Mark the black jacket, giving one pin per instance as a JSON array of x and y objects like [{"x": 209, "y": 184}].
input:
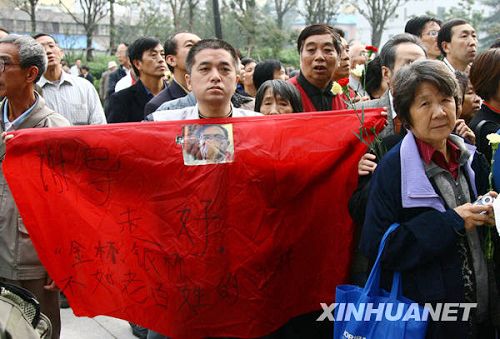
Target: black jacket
[
  {"x": 171, "y": 92},
  {"x": 114, "y": 77},
  {"x": 128, "y": 104}
]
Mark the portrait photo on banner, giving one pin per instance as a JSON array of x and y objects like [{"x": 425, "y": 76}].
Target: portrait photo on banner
[{"x": 207, "y": 144}]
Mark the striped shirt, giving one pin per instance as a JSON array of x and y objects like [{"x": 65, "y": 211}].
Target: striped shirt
[{"x": 75, "y": 98}]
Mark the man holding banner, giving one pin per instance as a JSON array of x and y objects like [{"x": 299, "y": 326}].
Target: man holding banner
[
  {"x": 211, "y": 74},
  {"x": 232, "y": 249},
  {"x": 22, "y": 63}
]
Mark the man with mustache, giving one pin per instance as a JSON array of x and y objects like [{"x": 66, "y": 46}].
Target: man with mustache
[
  {"x": 148, "y": 61},
  {"x": 457, "y": 40}
]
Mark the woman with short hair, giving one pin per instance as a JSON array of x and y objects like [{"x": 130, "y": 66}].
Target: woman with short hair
[
  {"x": 277, "y": 97},
  {"x": 485, "y": 78},
  {"x": 427, "y": 184}
]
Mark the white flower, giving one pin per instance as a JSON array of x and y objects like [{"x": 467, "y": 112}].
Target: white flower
[
  {"x": 493, "y": 138},
  {"x": 358, "y": 70},
  {"x": 336, "y": 88}
]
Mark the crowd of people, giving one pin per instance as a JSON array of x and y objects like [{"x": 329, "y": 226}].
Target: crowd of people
[{"x": 441, "y": 98}]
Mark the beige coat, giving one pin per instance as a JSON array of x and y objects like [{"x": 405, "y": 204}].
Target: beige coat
[{"x": 18, "y": 258}]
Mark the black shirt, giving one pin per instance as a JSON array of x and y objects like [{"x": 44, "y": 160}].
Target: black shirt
[
  {"x": 491, "y": 126},
  {"x": 320, "y": 98}
]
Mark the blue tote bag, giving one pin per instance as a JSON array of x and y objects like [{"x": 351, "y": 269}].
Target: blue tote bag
[{"x": 358, "y": 315}]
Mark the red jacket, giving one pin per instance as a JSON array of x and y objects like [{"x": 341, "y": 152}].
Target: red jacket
[{"x": 338, "y": 101}]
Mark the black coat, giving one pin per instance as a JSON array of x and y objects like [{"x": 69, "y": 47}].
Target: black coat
[
  {"x": 114, "y": 77},
  {"x": 171, "y": 92},
  {"x": 128, "y": 104}
]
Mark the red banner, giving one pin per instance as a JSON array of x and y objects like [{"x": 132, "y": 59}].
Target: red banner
[{"x": 127, "y": 229}]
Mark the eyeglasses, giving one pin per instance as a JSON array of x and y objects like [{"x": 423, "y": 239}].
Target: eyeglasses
[
  {"x": 213, "y": 137},
  {"x": 432, "y": 33},
  {"x": 3, "y": 64}
]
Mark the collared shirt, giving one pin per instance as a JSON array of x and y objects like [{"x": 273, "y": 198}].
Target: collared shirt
[
  {"x": 391, "y": 102},
  {"x": 320, "y": 98},
  {"x": 191, "y": 113},
  {"x": 429, "y": 153},
  {"x": 447, "y": 63},
  {"x": 124, "y": 82},
  {"x": 75, "y": 98},
  {"x": 20, "y": 119},
  {"x": 186, "y": 91},
  {"x": 490, "y": 106}
]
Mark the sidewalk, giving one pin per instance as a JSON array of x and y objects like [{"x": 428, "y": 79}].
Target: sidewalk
[{"x": 100, "y": 327}]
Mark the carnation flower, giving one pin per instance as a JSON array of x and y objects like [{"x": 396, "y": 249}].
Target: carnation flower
[
  {"x": 358, "y": 70},
  {"x": 343, "y": 82},
  {"x": 336, "y": 88},
  {"x": 493, "y": 138}
]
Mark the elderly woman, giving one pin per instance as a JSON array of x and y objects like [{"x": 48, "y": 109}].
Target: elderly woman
[
  {"x": 277, "y": 97},
  {"x": 427, "y": 184},
  {"x": 485, "y": 78}
]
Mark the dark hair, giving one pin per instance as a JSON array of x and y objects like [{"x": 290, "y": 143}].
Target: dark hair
[
  {"x": 372, "y": 76},
  {"x": 39, "y": 35},
  {"x": 416, "y": 25},
  {"x": 463, "y": 82},
  {"x": 409, "y": 78},
  {"x": 210, "y": 44},
  {"x": 282, "y": 88},
  {"x": 339, "y": 31},
  {"x": 138, "y": 47},
  {"x": 31, "y": 52},
  {"x": 496, "y": 43},
  {"x": 264, "y": 71},
  {"x": 485, "y": 73},
  {"x": 444, "y": 34},
  {"x": 3, "y": 29},
  {"x": 388, "y": 52},
  {"x": 85, "y": 67},
  {"x": 318, "y": 29},
  {"x": 245, "y": 61}
]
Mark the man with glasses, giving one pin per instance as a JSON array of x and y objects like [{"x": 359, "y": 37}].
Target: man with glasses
[
  {"x": 214, "y": 143},
  {"x": 427, "y": 29},
  {"x": 22, "y": 63},
  {"x": 148, "y": 62}
]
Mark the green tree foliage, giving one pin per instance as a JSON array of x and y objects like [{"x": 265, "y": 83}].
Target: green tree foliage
[{"x": 491, "y": 23}]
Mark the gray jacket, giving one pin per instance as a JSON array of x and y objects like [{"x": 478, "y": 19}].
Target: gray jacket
[
  {"x": 383, "y": 101},
  {"x": 18, "y": 258}
]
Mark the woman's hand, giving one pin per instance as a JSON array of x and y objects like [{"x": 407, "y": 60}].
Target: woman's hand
[
  {"x": 477, "y": 215},
  {"x": 464, "y": 131},
  {"x": 367, "y": 164}
]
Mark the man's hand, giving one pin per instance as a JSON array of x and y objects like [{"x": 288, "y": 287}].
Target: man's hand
[
  {"x": 464, "y": 131},
  {"x": 50, "y": 285},
  {"x": 359, "y": 98},
  {"x": 6, "y": 136},
  {"x": 367, "y": 164}
]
